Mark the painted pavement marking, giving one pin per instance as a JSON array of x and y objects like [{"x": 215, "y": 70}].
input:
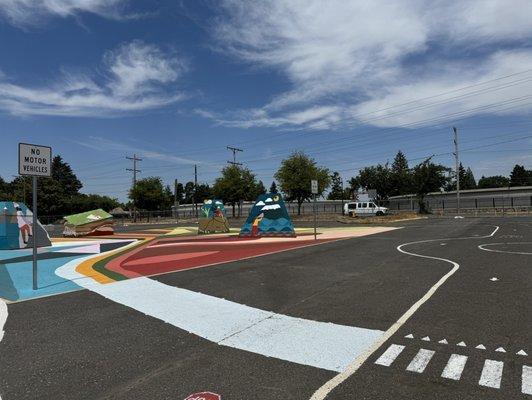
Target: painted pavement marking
[
  {"x": 331, "y": 384},
  {"x": 420, "y": 361},
  {"x": 455, "y": 366},
  {"x": 526, "y": 378},
  {"x": 318, "y": 344},
  {"x": 3, "y": 319},
  {"x": 491, "y": 374},
  {"x": 389, "y": 356}
]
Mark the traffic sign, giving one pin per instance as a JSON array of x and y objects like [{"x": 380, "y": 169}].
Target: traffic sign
[
  {"x": 204, "y": 396},
  {"x": 314, "y": 186},
  {"x": 34, "y": 160}
]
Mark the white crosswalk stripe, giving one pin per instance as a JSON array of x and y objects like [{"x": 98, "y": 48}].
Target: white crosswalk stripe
[
  {"x": 455, "y": 366},
  {"x": 491, "y": 374},
  {"x": 420, "y": 361},
  {"x": 389, "y": 356},
  {"x": 526, "y": 386}
]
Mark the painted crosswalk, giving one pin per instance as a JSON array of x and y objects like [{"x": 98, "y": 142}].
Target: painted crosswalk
[{"x": 491, "y": 374}]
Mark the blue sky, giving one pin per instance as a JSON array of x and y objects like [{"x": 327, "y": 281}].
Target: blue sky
[{"x": 350, "y": 83}]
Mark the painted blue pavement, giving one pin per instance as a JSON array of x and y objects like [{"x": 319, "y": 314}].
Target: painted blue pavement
[
  {"x": 16, "y": 269},
  {"x": 16, "y": 279}
]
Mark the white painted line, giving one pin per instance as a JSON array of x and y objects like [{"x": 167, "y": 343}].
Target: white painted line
[
  {"x": 426, "y": 339},
  {"x": 410, "y": 336},
  {"x": 455, "y": 366},
  {"x": 484, "y": 247},
  {"x": 3, "y": 319},
  {"x": 443, "y": 341},
  {"x": 318, "y": 344},
  {"x": 526, "y": 380},
  {"x": 328, "y": 386},
  {"x": 461, "y": 344},
  {"x": 420, "y": 361},
  {"x": 522, "y": 353},
  {"x": 481, "y": 347},
  {"x": 491, "y": 374},
  {"x": 389, "y": 356}
]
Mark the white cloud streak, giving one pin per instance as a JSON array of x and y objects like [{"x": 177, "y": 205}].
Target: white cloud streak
[
  {"x": 25, "y": 13},
  {"x": 137, "y": 77},
  {"x": 346, "y": 58},
  {"x": 103, "y": 144}
]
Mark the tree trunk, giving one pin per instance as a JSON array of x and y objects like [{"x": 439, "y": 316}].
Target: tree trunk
[
  {"x": 299, "y": 202},
  {"x": 233, "y": 204}
]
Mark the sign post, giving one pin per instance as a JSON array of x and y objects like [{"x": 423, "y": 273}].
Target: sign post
[
  {"x": 314, "y": 190},
  {"x": 34, "y": 160}
]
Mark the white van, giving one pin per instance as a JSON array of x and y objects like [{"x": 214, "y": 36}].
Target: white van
[{"x": 362, "y": 208}]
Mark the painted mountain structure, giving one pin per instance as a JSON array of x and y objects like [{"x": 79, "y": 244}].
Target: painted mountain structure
[
  {"x": 90, "y": 223},
  {"x": 268, "y": 217},
  {"x": 16, "y": 227},
  {"x": 213, "y": 219}
]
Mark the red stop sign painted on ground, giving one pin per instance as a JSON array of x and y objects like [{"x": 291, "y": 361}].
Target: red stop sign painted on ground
[{"x": 204, "y": 396}]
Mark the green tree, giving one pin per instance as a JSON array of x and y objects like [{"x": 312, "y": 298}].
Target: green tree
[
  {"x": 520, "y": 176},
  {"x": 236, "y": 184},
  {"x": 63, "y": 174},
  {"x": 352, "y": 188},
  {"x": 428, "y": 177},
  {"x": 189, "y": 192},
  {"x": 469, "y": 181},
  {"x": 495, "y": 181},
  {"x": 378, "y": 178},
  {"x": 148, "y": 194},
  {"x": 400, "y": 175},
  {"x": 337, "y": 190},
  {"x": 273, "y": 187},
  {"x": 294, "y": 176},
  {"x": 261, "y": 189},
  {"x": 180, "y": 191},
  {"x": 203, "y": 192}
]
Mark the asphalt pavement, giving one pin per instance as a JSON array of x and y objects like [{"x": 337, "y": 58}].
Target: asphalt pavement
[{"x": 83, "y": 346}]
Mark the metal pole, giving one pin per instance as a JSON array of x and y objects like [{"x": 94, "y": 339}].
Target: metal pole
[
  {"x": 34, "y": 232},
  {"x": 315, "y": 211},
  {"x": 195, "y": 189},
  {"x": 457, "y": 162}
]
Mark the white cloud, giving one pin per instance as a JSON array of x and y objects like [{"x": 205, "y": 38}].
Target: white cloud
[
  {"x": 30, "y": 12},
  {"x": 343, "y": 58},
  {"x": 137, "y": 76},
  {"x": 103, "y": 144}
]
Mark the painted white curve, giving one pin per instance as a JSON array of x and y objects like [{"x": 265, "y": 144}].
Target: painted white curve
[
  {"x": 318, "y": 344},
  {"x": 330, "y": 385},
  {"x": 485, "y": 248}
]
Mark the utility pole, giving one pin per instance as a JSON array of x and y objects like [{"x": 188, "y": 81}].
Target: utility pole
[
  {"x": 134, "y": 170},
  {"x": 457, "y": 170},
  {"x": 234, "y": 150},
  {"x": 195, "y": 189},
  {"x": 176, "y": 202}
]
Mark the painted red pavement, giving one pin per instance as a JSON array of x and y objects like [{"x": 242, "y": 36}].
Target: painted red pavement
[{"x": 168, "y": 255}]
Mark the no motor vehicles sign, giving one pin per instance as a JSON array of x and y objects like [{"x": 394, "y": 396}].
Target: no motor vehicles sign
[
  {"x": 34, "y": 160},
  {"x": 204, "y": 396}
]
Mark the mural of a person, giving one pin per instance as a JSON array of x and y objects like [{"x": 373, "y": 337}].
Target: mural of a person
[
  {"x": 24, "y": 227},
  {"x": 255, "y": 226}
]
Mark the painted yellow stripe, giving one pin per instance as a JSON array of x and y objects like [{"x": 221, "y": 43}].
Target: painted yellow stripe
[{"x": 86, "y": 267}]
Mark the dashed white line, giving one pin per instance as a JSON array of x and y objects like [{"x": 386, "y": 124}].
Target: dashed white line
[
  {"x": 420, "y": 361},
  {"x": 491, "y": 374},
  {"x": 455, "y": 367},
  {"x": 389, "y": 356},
  {"x": 526, "y": 385}
]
